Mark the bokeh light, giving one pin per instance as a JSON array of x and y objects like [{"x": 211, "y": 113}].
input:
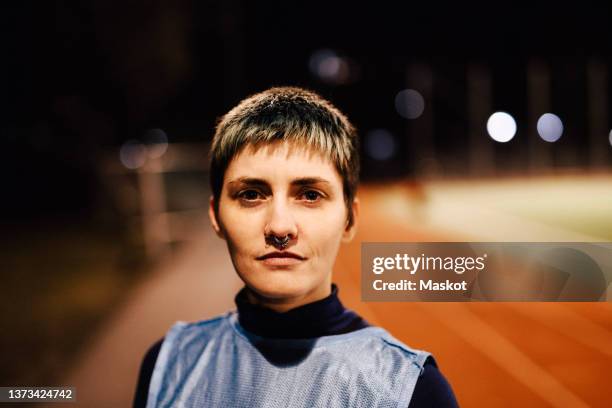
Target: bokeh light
[
  {"x": 550, "y": 127},
  {"x": 409, "y": 103},
  {"x": 380, "y": 144},
  {"x": 329, "y": 67},
  {"x": 501, "y": 126},
  {"x": 133, "y": 154},
  {"x": 610, "y": 138},
  {"x": 156, "y": 141}
]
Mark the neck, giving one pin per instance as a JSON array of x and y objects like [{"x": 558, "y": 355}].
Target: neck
[{"x": 322, "y": 317}]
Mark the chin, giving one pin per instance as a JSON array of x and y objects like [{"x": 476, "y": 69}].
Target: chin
[{"x": 280, "y": 284}]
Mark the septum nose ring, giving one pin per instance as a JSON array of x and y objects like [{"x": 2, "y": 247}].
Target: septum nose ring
[{"x": 279, "y": 242}]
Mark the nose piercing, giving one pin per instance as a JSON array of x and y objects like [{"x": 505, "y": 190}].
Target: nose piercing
[{"x": 280, "y": 243}]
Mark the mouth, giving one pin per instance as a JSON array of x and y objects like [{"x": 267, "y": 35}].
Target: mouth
[{"x": 280, "y": 258}]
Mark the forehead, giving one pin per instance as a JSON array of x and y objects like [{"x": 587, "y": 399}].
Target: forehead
[{"x": 281, "y": 160}]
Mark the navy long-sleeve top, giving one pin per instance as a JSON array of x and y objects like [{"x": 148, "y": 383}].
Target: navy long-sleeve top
[{"x": 324, "y": 317}]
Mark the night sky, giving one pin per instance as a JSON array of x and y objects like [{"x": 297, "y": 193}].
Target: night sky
[{"x": 79, "y": 78}]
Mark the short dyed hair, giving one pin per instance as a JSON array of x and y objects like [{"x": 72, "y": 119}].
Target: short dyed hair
[{"x": 287, "y": 114}]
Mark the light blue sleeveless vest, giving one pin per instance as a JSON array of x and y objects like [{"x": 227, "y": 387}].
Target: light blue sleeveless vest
[{"x": 216, "y": 363}]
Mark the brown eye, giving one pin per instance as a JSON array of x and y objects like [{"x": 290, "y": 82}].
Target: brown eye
[
  {"x": 312, "y": 196},
  {"x": 249, "y": 195}
]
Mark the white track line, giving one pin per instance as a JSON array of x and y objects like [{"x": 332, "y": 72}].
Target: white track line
[
  {"x": 564, "y": 320},
  {"x": 506, "y": 355}
]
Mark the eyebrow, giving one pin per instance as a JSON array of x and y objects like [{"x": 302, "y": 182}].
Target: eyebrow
[{"x": 302, "y": 181}]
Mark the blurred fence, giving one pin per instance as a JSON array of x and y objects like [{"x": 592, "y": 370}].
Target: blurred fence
[{"x": 162, "y": 191}]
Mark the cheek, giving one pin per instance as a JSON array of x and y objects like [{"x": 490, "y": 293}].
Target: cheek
[
  {"x": 242, "y": 229},
  {"x": 324, "y": 231}
]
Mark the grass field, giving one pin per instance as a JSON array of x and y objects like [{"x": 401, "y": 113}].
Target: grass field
[{"x": 580, "y": 205}]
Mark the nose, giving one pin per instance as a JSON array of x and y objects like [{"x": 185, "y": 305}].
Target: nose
[{"x": 281, "y": 222}]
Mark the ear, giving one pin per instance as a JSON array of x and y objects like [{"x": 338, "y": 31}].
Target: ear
[
  {"x": 213, "y": 218},
  {"x": 350, "y": 230}
]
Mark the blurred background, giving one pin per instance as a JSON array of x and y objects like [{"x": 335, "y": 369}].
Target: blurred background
[{"x": 478, "y": 122}]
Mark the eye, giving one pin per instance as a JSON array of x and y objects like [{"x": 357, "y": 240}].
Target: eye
[
  {"x": 311, "y": 196},
  {"x": 249, "y": 195}
]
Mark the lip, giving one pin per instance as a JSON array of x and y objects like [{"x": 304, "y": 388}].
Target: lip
[{"x": 281, "y": 259}]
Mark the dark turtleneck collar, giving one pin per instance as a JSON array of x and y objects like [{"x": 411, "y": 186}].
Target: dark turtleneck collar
[{"x": 323, "y": 317}]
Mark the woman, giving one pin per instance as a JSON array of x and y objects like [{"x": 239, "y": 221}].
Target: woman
[{"x": 284, "y": 173}]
